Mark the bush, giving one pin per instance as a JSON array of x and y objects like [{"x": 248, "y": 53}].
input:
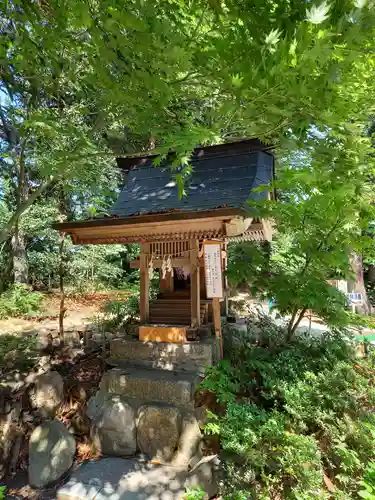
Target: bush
[
  {"x": 19, "y": 300},
  {"x": 368, "y": 483},
  {"x": 122, "y": 312},
  {"x": 298, "y": 415},
  {"x": 194, "y": 494},
  {"x": 17, "y": 351}
]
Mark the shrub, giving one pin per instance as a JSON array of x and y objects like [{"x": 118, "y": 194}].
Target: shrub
[
  {"x": 124, "y": 312},
  {"x": 298, "y": 415},
  {"x": 194, "y": 494},
  {"x": 368, "y": 483},
  {"x": 18, "y": 352},
  {"x": 19, "y": 300},
  {"x": 287, "y": 463},
  {"x": 120, "y": 313},
  {"x": 2, "y": 492}
]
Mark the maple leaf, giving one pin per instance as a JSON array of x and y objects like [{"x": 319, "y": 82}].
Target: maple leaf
[{"x": 318, "y": 14}]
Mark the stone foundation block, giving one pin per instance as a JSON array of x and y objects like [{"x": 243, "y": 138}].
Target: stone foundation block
[{"x": 158, "y": 431}]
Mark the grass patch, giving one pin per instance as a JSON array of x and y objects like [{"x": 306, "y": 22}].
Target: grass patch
[{"x": 19, "y": 300}]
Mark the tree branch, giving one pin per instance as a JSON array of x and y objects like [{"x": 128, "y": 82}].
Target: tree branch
[
  {"x": 6, "y": 128},
  {"x": 290, "y": 324},
  {"x": 299, "y": 319},
  {"x": 7, "y": 229}
]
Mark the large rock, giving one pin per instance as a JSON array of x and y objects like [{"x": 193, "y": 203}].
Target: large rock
[
  {"x": 206, "y": 475},
  {"x": 48, "y": 393},
  {"x": 51, "y": 453},
  {"x": 95, "y": 404},
  {"x": 158, "y": 431},
  {"x": 189, "y": 442},
  {"x": 113, "y": 425}
]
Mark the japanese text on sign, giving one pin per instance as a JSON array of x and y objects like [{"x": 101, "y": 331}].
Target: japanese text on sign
[{"x": 212, "y": 267}]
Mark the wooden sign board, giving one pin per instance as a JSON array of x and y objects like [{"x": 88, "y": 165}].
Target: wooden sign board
[{"x": 213, "y": 269}]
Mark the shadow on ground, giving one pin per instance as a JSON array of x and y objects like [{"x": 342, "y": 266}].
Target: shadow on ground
[{"x": 121, "y": 479}]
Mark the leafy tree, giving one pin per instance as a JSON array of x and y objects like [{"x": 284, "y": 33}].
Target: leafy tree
[
  {"x": 179, "y": 73},
  {"x": 321, "y": 215},
  {"x": 84, "y": 75}
]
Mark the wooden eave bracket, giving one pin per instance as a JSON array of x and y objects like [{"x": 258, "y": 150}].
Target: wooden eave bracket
[{"x": 237, "y": 226}]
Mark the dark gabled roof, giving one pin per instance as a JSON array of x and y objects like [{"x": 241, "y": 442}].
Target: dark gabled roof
[{"x": 223, "y": 176}]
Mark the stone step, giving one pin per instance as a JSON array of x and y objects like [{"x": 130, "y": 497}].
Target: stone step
[
  {"x": 151, "y": 386},
  {"x": 165, "y": 354},
  {"x": 114, "y": 478},
  {"x": 159, "y": 365}
]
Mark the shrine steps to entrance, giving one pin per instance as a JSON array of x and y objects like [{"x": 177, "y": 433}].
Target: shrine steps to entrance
[
  {"x": 174, "y": 308},
  {"x": 160, "y": 372},
  {"x": 146, "y": 401}
]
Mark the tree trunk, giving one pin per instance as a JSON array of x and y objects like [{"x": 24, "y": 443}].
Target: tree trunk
[
  {"x": 7, "y": 229},
  {"x": 62, "y": 290},
  {"x": 19, "y": 257},
  {"x": 357, "y": 285},
  {"x": 371, "y": 274}
]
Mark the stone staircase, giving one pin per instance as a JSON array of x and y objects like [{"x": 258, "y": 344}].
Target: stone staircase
[
  {"x": 146, "y": 401},
  {"x": 174, "y": 308}
]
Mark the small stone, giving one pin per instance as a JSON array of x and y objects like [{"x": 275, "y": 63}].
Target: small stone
[
  {"x": 113, "y": 425},
  {"x": 158, "y": 431},
  {"x": 189, "y": 442},
  {"x": 201, "y": 415},
  {"x": 206, "y": 475},
  {"x": 48, "y": 393},
  {"x": 95, "y": 404},
  {"x": 97, "y": 337},
  {"x": 72, "y": 338},
  {"x": 51, "y": 453}
]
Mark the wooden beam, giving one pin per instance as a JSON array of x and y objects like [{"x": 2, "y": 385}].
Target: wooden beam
[
  {"x": 217, "y": 323},
  {"x": 163, "y": 231},
  {"x": 157, "y": 263},
  {"x": 168, "y": 217},
  {"x": 153, "y": 333},
  {"x": 195, "y": 283},
  {"x": 267, "y": 229},
  {"x": 144, "y": 306}
]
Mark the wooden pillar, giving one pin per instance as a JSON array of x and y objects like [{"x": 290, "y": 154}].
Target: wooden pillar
[
  {"x": 225, "y": 281},
  {"x": 217, "y": 324},
  {"x": 144, "y": 306},
  {"x": 195, "y": 283}
]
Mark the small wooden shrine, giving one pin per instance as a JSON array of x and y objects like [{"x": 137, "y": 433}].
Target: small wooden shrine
[{"x": 172, "y": 232}]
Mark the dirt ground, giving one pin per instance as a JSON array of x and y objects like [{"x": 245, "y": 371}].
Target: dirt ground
[
  {"x": 80, "y": 311},
  {"x": 21, "y": 356}
]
